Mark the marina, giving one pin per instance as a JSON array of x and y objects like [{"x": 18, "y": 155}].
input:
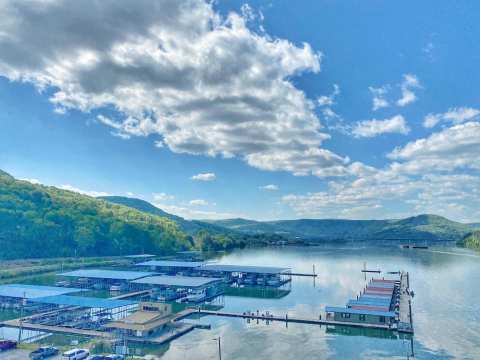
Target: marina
[{"x": 142, "y": 298}]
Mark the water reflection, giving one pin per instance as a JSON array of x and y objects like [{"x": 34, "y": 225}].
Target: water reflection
[{"x": 446, "y": 314}]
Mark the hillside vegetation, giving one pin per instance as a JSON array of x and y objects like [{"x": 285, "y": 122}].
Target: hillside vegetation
[
  {"x": 40, "y": 221},
  {"x": 422, "y": 227},
  {"x": 206, "y": 236},
  {"x": 472, "y": 240}
]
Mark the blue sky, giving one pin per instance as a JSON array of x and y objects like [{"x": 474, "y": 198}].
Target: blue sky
[{"x": 320, "y": 109}]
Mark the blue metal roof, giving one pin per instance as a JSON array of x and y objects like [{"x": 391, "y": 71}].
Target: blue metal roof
[
  {"x": 269, "y": 270},
  {"x": 88, "y": 302},
  {"x": 177, "y": 281},
  {"x": 33, "y": 291},
  {"x": 108, "y": 274},
  {"x": 367, "y": 303},
  {"x": 172, "y": 263},
  {"x": 370, "y": 301},
  {"x": 344, "y": 310}
]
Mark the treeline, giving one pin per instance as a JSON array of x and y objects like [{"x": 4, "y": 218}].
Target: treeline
[
  {"x": 39, "y": 221},
  {"x": 472, "y": 241}
]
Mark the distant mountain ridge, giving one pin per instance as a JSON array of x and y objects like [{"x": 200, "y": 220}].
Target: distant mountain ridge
[{"x": 421, "y": 227}]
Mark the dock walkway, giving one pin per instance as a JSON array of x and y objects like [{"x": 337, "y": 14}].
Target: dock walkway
[
  {"x": 405, "y": 311},
  {"x": 55, "y": 329},
  {"x": 288, "y": 319}
]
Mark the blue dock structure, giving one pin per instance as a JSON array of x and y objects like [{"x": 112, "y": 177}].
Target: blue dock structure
[
  {"x": 114, "y": 280},
  {"x": 171, "y": 267},
  {"x": 248, "y": 275},
  {"x": 382, "y": 301},
  {"x": 191, "y": 289}
]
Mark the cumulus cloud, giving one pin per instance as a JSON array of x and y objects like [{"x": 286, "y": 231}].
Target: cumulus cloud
[
  {"x": 92, "y": 193},
  {"x": 198, "y": 202},
  {"x": 454, "y": 115},
  {"x": 269, "y": 187},
  {"x": 372, "y": 128},
  {"x": 452, "y": 148},
  {"x": 378, "y": 97},
  {"x": 437, "y": 174},
  {"x": 201, "y": 83},
  {"x": 410, "y": 82},
  {"x": 204, "y": 177}
]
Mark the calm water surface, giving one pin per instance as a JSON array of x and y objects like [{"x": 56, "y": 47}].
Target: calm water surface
[{"x": 446, "y": 311}]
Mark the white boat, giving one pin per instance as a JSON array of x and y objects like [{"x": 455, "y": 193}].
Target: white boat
[
  {"x": 115, "y": 288},
  {"x": 196, "y": 295}
]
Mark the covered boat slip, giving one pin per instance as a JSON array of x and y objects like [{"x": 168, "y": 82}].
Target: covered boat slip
[
  {"x": 171, "y": 267},
  {"x": 105, "y": 279},
  {"x": 87, "y": 313},
  {"x": 188, "y": 288},
  {"x": 249, "y": 275},
  {"x": 18, "y": 295}
]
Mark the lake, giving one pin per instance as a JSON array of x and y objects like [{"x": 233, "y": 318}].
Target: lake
[{"x": 446, "y": 310}]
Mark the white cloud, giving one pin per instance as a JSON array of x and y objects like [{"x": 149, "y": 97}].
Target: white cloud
[
  {"x": 269, "y": 187},
  {"x": 198, "y": 202},
  {"x": 452, "y": 148},
  {"x": 330, "y": 99},
  {"x": 372, "y": 128},
  {"x": 172, "y": 69},
  {"x": 204, "y": 177},
  {"x": 454, "y": 115},
  {"x": 378, "y": 97},
  {"x": 92, "y": 193},
  {"x": 193, "y": 213},
  {"x": 410, "y": 82},
  {"x": 32, "y": 181},
  {"x": 163, "y": 197},
  {"x": 438, "y": 174}
]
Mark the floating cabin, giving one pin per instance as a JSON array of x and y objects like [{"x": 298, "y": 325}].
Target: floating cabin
[
  {"x": 115, "y": 280},
  {"x": 17, "y": 295},
  {"x": 88, "y": 313},
  {"x": 181, "y": 288},
  {"x": 151, "y": 319},
  {"x": 377, "y": 304}
]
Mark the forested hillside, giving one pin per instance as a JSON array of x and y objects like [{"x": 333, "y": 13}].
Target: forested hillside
[
  {"x": 41, "y": 221},
  {"x": 421, "y": 227},
  {"x": 206, "y": 236}
]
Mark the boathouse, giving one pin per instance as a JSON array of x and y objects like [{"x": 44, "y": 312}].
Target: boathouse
[
  {"x": 345, "y": 314},
  {"x": 171, "y": 267}
]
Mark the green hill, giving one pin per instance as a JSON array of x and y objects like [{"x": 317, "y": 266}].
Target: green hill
[
  {"x": 207, "y": 236},
  {"x": 191, "y": 227},
  {"x": 472, "y": 240},
  {"x": 42, "y": 221},
  {"x": 422, "y": 227}
]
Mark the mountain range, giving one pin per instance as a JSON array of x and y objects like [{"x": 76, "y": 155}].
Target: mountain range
[{"x": 44, "y": 221}]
